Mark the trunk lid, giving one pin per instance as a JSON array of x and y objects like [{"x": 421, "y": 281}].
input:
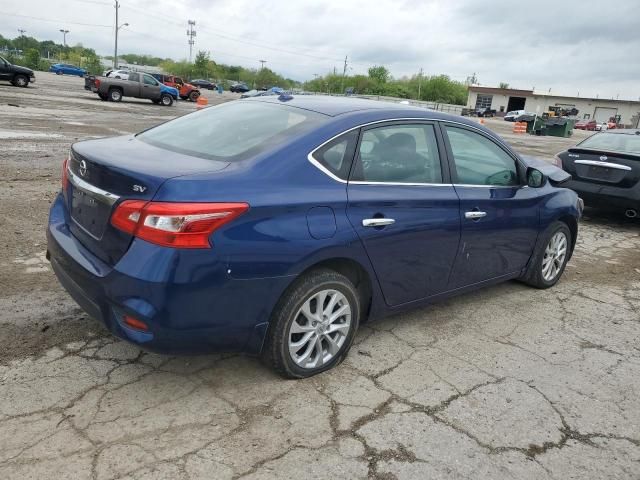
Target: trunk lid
[
  {"x": 104, "y": 172},
  {"x": 607, "y": 168}
]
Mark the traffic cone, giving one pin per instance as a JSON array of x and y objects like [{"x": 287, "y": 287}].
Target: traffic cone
[{"x": 201, "y": 102}]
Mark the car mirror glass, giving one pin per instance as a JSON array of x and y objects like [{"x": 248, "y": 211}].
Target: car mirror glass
[{"x": 535, "y": 178}]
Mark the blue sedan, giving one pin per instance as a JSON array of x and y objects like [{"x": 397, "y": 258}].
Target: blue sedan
[
  {"x": 275, "y": 226},
  {"x": 66, "y": 69}
]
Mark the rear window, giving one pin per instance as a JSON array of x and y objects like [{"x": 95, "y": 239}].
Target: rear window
[
  {"x": 613, "y": 142},
  {"x": 232, "y": 131}
]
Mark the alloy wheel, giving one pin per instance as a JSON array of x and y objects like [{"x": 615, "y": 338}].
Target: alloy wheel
[
  {"x": 319, "y": 329},
  {"x": 554, "y": 256}
]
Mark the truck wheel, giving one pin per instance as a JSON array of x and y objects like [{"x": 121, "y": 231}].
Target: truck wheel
[
  {"x": 166, "y": 100},
  {"x": 20, "y": 81},
  {"x": 193, "y": 96},
  {"x": 115, "y": 94}
]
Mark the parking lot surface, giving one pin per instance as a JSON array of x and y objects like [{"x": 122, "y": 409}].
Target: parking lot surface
[{"x": 506, "y": 382}]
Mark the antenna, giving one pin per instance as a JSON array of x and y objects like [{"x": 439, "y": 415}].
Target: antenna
[
  {"x": 262, "y": 62},
  {"x": 191, "y": 33}
]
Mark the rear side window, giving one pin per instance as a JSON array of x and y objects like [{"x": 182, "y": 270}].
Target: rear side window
[
  {"x": 479, "y": 161},
  {"x": 613, "y": 142},
  {"x": 405, "y": 153},
  {"x": 134, "y": 77},
  {"x": 232, "y": 131},
  {"x": 336, "y": 156}
]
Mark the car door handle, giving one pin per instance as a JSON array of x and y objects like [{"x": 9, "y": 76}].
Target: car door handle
[
  {"x": 377, "y": 222},
  {"x": 474, "y": 215}
]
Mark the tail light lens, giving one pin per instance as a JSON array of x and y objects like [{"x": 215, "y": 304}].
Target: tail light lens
[
  {"x": 178, "y": 225},
  {"x": 557, "y": 161},
  {"x": 96, "y": 82},
  {"x": 65, "y": 175}
]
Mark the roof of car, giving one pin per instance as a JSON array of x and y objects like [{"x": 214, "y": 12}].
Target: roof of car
[
  {"x": 334, "y": 106},
  {"x": 624, "y": 131}
]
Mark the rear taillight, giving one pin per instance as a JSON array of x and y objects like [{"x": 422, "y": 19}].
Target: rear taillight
[
  {"x": 65, "y": 175},
  {"x": 96, "y": 82},
  {"x": 179, "y": 225},
  {"x": 557, "y": 161}
]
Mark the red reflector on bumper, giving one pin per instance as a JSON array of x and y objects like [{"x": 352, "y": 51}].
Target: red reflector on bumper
[{"x": 134, "y": 323}]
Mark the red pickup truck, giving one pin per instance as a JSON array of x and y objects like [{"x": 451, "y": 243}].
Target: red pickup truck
[{"x": 187, "y": 91}]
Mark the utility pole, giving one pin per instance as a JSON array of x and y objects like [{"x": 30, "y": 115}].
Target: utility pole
[
  {"x": 64, "y": 36},
  {"x": 22, "y": 32},
  {"x": 118, "y": 27},
  {"x": 262, "y": 62},
  {"x": 344, "y": 72},
  {"x": 419, "y": 82},
  {"x": 191, "y": 33}
]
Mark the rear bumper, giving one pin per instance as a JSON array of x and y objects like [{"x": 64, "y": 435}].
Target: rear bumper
[
  {"x": 604, "y": 196},
  {"x": 189, "y": 307}
]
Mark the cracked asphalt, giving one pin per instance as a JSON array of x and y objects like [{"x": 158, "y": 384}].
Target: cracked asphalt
[{"x": 507, "y": 382}]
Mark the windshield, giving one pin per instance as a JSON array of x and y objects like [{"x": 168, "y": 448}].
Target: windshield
[
  {"x": 232, "y": 131},
  {"x": 613, "y": 142}
]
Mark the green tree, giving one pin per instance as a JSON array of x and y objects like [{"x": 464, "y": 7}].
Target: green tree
[
  {"x": 379, "y": 74},
  {"x": 32, "y": 59},
  {"x": 503, "y": 85},
  {"x": 201, "y": 64}
]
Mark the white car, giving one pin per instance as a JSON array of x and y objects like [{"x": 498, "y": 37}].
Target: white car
[
  {"x": 511, "y": 116},
  {"x": 121, "y": 74}
]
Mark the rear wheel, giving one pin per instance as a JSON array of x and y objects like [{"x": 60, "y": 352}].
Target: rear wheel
[
  {"x": 313, "y": 325},
  {"x": 193, "y": 96},
  {"x": 550, "y": 257},
  {"x": 166, "y": 100},
  {"x": 21, "y": 81},
  {"x": 115, "y": 94}
]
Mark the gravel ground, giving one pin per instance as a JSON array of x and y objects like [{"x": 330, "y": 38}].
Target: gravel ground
[{"x": 507, "y": 382}]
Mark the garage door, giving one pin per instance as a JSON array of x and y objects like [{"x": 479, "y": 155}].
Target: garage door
[{"x": 603, "y": 114}]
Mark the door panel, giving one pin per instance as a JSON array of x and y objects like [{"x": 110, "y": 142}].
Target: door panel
[
  {"x": 499, "y": 216},
  {"x": 500, "y": 242},
  {"x": 404, "y": 209},
  {"x": 413, "y": 256}
]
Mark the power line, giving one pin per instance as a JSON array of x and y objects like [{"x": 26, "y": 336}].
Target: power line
[{"x": 54, "y": 21}]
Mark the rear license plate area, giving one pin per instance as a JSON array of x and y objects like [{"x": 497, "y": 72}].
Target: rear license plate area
[{"x": 89, "y": 213}]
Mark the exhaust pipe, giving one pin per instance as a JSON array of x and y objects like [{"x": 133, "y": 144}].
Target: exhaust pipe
[{"x": 631, "y": 213}]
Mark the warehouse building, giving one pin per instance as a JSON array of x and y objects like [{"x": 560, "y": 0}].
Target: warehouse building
[{"x": 626, "y": 112}]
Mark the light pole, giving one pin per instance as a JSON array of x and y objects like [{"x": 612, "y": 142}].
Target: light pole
[
  {"x": 117, "y": 29},
  {"x": 64, "y": 36}
]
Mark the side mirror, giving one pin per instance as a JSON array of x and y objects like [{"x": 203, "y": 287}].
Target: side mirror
[{"x": 535, "y": 178}]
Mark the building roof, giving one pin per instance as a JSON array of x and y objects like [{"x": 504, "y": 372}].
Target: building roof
[{"x": 502, "y": 91}]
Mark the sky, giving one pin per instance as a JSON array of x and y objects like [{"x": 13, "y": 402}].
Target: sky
[{"x": 570, "y": 47}]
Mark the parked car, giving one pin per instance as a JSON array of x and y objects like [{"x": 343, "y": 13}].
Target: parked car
[
  {"x": 239, "y": 88},
  {"x": 17, "y": 75},
  {"x": 586, "y": 125},
  {"x": 200, "y": 83},
  {"x": 485, "y": 112},
  {"x": 121, "y": 74},
  {"x": 66, "y": 69},
  {"x": 252, "y": 93},
  {"x": 276, "y": 228},
  {"x": 187, "y": 91},
  {"x": 605, "y": 170},
  {"x": 139, "y": 85},
  {"x": 513, "y": 115}
]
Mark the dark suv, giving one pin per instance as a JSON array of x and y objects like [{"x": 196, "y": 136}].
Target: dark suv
[{"x": 19, "y": 76}]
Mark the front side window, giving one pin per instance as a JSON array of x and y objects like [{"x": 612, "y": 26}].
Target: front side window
[
  {"x": 398, "y": 154},
  {"x": 232, "y": 131},
  {"x": 336, "y": 156},
  {"x": 479, "y": 161}
]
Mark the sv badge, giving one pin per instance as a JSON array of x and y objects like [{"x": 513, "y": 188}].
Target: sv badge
[{"x": 139, "y": 188}]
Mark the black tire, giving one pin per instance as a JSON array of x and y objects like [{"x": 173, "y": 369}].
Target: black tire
[
  {"x": 58, "y": 72},
  {"x": 275, "y": 352},
  {"x": 21, "y": 81},
  {"x": 115, "y": 94},
  {"x": 534, "y": 273},
  {"x": 103, "y": 97},
  {"x": 193, "y": 96},
  {"x": 166, "y": 100}
]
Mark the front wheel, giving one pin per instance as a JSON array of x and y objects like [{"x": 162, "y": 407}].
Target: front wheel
[
  {"x": 115, "y": 94},
  {"x": 166, "y": 100},
  {"x": 20, "y": 81},
  {"x": 550, "y": 257},
  {"x": 313, "y": 325},
  {"x": 193, "y": 96}
]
